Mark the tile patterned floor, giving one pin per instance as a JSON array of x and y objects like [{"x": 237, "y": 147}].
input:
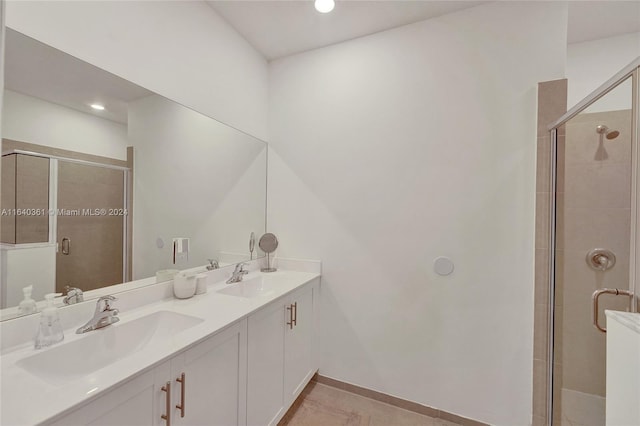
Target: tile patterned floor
[{"x": 323, "y": 405}]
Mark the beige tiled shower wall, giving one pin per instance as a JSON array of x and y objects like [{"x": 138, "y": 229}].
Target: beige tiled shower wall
[
  {"x": 25, "y": 199},
  {"x": 552, "y": 103},
  {"x": 593, "y": 210},
  {"x": 32, "y": 199},
  {"x": 8, "y": 198}
]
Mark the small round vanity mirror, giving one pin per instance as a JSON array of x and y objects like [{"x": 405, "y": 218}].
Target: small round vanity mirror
[{"x": 268, "y": 243}]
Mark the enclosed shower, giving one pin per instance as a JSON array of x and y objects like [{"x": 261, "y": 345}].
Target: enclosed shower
[
  {"x": 63, "y": 223},
  {"x": 593, "y": 243}
]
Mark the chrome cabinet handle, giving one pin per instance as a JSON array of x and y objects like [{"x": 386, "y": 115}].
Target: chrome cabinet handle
[
  {"x": 290, "y": 323},
  {"x": 594, "y": 303},
  {"x": 295, "y": 313},
  {"x": 182, "y": 382},
  {"x": 167, "y": 388},
  {"x": 66, "y": 246}
]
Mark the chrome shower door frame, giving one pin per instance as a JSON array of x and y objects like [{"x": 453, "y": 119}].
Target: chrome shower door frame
[{"x": 632, "y": 70}]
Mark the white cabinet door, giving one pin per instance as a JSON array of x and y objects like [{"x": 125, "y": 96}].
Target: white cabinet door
[
  {"x": 210, "y": 382},
  {"x": 280, "y": 360},
  {"x": 623, "y": 373},
  {"x": 265, "y": 403},
  {"x": 298, "y": 355},
  {"x": 214, "y": 392},
  {"x": 132, "y": 403}
]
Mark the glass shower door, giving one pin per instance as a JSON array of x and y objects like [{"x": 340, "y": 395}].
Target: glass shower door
[
  {"x": 592, "y": 250},
  {"x": 90, "y": 226}
]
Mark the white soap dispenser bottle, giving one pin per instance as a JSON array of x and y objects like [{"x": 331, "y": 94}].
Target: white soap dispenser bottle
[
  {"x": 50, "y": 329},
  {"x": 28, "y": 305}
]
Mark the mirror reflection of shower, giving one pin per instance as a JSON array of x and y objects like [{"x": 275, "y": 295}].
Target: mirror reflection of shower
[{"x": 604, "y": 132}]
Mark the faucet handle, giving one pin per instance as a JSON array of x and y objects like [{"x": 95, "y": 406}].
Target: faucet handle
[
  {"x": 240, "y": 266},
  {"x": 74, "y": 295},
  {"x": 107, "y": 303}
]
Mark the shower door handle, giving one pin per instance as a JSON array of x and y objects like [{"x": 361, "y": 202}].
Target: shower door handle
[
  {"x": 594, "y": 303},
  {"x": 66, "y": 246}
]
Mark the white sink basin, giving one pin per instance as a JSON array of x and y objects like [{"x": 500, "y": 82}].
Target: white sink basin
[
  {"x": 97, "y": 349},
  {"x": 248, "y": 288}
]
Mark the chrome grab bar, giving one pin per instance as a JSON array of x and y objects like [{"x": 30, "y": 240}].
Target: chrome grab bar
[{"x": 594, "y": 303}]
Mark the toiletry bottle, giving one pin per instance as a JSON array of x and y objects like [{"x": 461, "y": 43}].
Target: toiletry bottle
[
  {"x": 50, "y": 329},
  {"x": 28, "y": 305}
]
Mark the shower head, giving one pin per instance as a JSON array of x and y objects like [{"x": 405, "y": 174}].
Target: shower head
[
  {"x": 612, "y": 134},
  {"x": 608, "y": 133}
]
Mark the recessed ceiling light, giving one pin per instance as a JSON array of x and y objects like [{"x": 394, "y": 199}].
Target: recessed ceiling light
[
  {"x": 324, "y": 6},
  {"x": 98, "y": 107}
]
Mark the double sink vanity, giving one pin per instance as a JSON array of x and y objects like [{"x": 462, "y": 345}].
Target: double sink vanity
[{"x": 238, "y": 354}]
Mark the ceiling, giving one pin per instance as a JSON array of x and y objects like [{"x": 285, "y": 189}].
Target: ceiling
[
  {"x": 281, "y": 28},
  {"x": 35, "y": 69},
  {"x": 591, "y": 20},
  {"x": 276, "y": 29}
]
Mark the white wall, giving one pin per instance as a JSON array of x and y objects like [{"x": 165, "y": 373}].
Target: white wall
[
  {"x": 179, "y": 49},
  {"x": 195, "y": 178},
  {"x": 29, "y": 119},
  {"x": 2, "y": 36},
  {"x": 591, "y": 63},
  {"x": 239, "y": 212},
  {"x": 23, "y": 267},
  {"x": 2, "y": 42},
  {"x": 390, "y": 150}
]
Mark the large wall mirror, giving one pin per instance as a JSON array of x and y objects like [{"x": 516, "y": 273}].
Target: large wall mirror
[{"x": 105, "y": 182}]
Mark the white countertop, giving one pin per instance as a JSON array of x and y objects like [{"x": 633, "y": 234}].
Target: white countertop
[
  {"x": 628, "y": 319},
  {"x": 27, "y": 399}
]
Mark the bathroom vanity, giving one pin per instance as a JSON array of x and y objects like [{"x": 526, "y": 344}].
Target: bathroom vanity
[{"x": 239, "y": 354}]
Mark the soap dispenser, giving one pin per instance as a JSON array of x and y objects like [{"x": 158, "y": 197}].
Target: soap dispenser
[
  {"x": 50, "y": 330},
  {"x": 28, "y": 305}
]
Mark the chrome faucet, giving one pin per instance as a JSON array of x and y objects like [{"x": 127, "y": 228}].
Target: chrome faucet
[
  {"x": 213, "y": 264},
  {"x": 238, "y": 273},
  {"x": 74, "y": 295},
  {"x": 102, "y": 317}
]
